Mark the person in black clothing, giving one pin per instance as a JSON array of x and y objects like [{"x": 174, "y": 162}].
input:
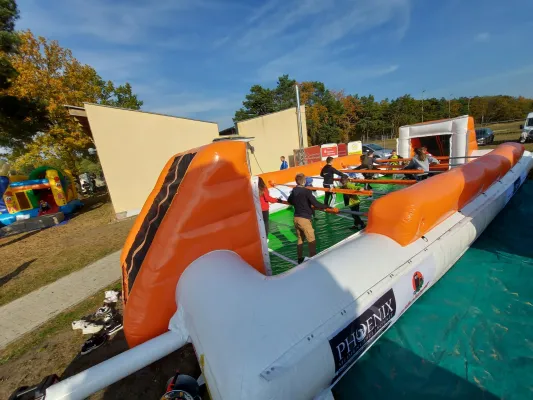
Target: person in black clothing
[
  {"x": 367, "y": 162},
  {"x": 303, "y": 200},
  {"x": 328, "y": 172}
]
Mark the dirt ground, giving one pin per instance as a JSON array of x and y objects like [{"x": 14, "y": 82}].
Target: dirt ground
[
  {"x": 55, "y": 350},
  {"x": 60, "y": 355},
  {"x": 34, "y": 259}
]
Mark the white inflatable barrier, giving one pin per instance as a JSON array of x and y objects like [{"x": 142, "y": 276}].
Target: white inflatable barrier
[
  {"x": 292, "y": 336},
  {"x": 90, "y": 381}
]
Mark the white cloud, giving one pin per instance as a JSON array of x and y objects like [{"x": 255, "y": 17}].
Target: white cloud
[
  {"x": 363, "y": 16},
  {"x": 482, "y": 37},
  {"x": 279, "y": 18},
  {"x": 316, "y": 64},
  {"x": 315, "y": 39},
  {"x": 510, "y": 82},
  {"x": 115, "y": 65},
  {"x": 261, "y": 11},
  {"x": 115, "y": 22},
  {"x": 218, "y": 109}
]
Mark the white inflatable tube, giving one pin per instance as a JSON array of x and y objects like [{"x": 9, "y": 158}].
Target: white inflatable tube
[
  {"x": 292, "y": 336},
  {"x": 96, "y": 378}
]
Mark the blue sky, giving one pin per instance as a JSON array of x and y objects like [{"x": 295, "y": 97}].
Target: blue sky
[{"x": 198, "y": 58}]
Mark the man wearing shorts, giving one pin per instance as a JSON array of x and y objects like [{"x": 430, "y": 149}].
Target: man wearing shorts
[{"x": 302, "y": 199}]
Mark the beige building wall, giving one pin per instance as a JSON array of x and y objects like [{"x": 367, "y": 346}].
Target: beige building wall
[
  {"x": 134, "y": 146},
  {"x": 275, "y": 135}
]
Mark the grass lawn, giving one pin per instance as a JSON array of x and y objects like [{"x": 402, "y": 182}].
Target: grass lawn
[
  {"x": 33, "y": 259},
  {"x": 54, "y": 349}
]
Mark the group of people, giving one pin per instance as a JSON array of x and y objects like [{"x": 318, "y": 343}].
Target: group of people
[{"x": 304, "y": 201}]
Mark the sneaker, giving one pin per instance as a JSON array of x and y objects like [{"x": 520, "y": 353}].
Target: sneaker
[
  {"x": 91, "y": 327},
  {"x": 112, "y": 326},
  {"x": 301, "y": 260},
  {"x": 111, "y": 296},
  {"x": 93, "y": 343},
  {"x": 354, "y": 228},
  {"x": 78, "y": 324},
  {"x": 102, "y": 312}
]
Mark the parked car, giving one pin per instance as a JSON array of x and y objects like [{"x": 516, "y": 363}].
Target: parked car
[
  {"x": 527, "y": 129},
  {"x": 484, "y": 136},
  {"x": 379, "y": 152}
]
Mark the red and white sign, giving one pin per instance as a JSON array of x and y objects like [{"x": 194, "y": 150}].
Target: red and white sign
[
  {"x": 311, "y": 155},
  {"x": 329, "y": 150}
]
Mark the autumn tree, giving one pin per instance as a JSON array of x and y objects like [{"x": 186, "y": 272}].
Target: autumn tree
[
  {"x": 20, "y": 117},
  {"x": 49, "y": 72}
]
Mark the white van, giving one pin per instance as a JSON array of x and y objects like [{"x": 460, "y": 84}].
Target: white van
[{"x": 527, "y": 129}]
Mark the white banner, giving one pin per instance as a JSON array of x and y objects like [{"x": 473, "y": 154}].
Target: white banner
[
  {"x": 329, "y": 150},
  {"x": 355, "y": 147}
]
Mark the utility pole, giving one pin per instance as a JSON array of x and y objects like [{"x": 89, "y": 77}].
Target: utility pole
[
  {"x": 301, "y": 157},
  {"x": 469, "y": 105},
  {"x": 450, "y": 105},
  {"x": 423, "y": 91}
]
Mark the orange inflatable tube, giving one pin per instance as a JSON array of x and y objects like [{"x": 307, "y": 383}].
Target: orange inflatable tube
[
  {"x": 408, "y": 214},
  {"x": 313, "y": 169},
  {"x": 202, "y": 201}
]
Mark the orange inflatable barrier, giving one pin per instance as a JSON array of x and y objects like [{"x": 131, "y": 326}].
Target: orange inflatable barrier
[
  {"x": 382, "y": 181},
  {"x": 332, "y": 190},
  {"x": 202, "y": 201},
  {"x": 384, "y": 171},
  {"x": 313, "y": 169},
  {"x": 408, "y": 214}
]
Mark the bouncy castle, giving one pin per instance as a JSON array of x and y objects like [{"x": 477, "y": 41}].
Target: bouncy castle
[
  {"x": 46, "y": 190},
  {"x": 200, "y": 267}
]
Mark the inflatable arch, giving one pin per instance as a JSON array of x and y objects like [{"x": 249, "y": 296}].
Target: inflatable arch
[{"x": 451, "y": 137}]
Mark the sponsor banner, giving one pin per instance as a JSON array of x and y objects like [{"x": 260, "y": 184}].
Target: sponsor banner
[
  {"x": 515, "y": 186},
  {"x": 343, "y": 149},
  {"x": 349, "y": 343},
  {"x": 311, "y": 155},
  {"x": 355, "y": 148},
  {"x": 329, "y": 150}
]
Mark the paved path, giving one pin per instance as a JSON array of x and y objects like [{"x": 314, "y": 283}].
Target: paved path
[{"x": 30, "y": 311}]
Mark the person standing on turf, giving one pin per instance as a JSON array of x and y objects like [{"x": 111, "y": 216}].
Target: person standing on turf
[
  {"x": 265, "y": 199},
  {"x": 284, "y": 164},
  {"x": 303, "y": 200},
  {"x": 421, "y": 161},
  {"x": 367, "y": 162},
  {"x": 353, "y": 201},
  {"x": 328, "y": 172}
]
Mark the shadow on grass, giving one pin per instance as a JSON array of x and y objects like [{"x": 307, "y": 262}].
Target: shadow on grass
[
  {"x": 22, "y": 237},
  {"x": 22, "y": 267}
]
